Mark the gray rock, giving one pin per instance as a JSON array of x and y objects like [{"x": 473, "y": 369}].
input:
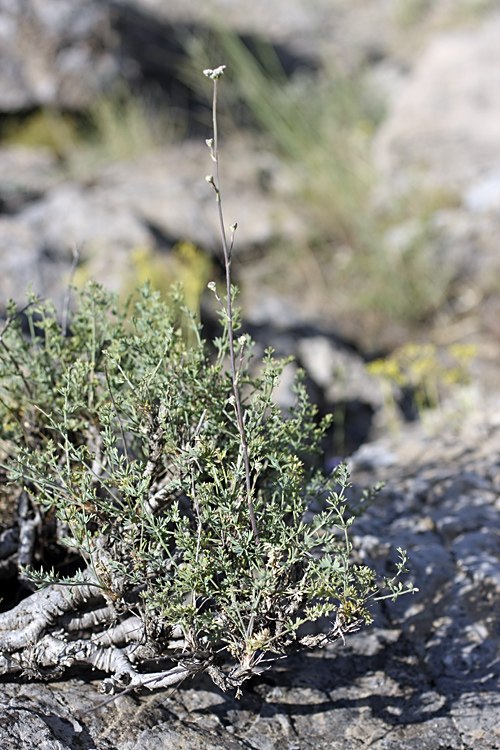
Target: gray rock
[
  {"x": 484, "y": 194},
  {"x": 25, "y": 175},
  {"x": 444, "y": 126},
  {"x": 294, "y": 23},
  {"x": 45, "y": 45},
  {"x": 160, "y": 197},
  {"x": 37, "y": 716},
  {"x": 372, "y": 456},
  {"x": 167, "y": 189},
  {"x": 101, "y": 226},
  {"x": 19, "y": 253},
  {"x": 440, "y": 144},
  {"x": 340, "y": 373},
  {"x": 187, "y": 736}
]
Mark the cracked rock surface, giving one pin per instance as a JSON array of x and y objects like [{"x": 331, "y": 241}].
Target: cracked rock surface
[{"x": 424, "y": 676}]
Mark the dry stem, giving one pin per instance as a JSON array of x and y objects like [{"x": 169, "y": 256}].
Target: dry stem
[{"x": 214, "y": 149}]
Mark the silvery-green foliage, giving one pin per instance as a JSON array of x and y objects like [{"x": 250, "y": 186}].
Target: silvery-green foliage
[{"x": 130, "y": 436}]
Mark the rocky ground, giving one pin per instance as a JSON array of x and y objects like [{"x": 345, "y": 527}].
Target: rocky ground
[{"x": 424, "y": 676}]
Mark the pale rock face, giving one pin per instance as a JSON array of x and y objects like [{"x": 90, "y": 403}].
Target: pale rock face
[
  {"x": 65, "y": 53},
  {"x": 296, "y": 23},
  {"x": 44, "y": 47},
  {"x": 441, "y": 137},
  {"x": 445, "y": 125},
  {"x": 340, "y": 373},
  {"x": 124, "y": 204},
  {"x": 19, "y": 253}
]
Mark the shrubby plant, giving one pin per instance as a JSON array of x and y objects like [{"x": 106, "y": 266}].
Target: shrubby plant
[
  {"x": 181, "y": 486},
  {"x": 427, "y": 373}
]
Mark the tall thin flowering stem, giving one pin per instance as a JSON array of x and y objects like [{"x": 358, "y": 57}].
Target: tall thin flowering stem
[{"x": 213, "y": 180}]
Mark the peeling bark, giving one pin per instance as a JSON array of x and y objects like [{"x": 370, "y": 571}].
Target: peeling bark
[
  {"x": 53, "y": 630},
  {"x": 23, "y": 626}
]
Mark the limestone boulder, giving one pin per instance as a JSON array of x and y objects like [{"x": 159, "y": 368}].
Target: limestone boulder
[
  {"x": 53, "y": 53},
  {"x": 440, "y": 147},
  {"x": 445, "y": 124},
  {"x": 150, "y": 202}
]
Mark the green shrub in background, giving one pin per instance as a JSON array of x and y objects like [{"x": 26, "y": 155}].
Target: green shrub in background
[
  {"x": 183, "y": 489},
  {"x": 118, "y": 125},
  {"x": 186, "y": 265},
  {"x": 427, "y": 373}
]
